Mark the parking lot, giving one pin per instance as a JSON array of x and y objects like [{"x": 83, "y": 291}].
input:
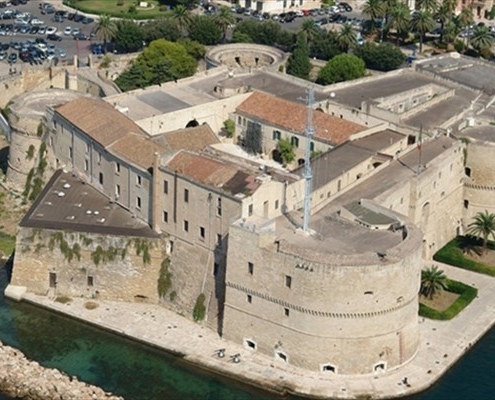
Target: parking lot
[{"x": 35, "y": 33}]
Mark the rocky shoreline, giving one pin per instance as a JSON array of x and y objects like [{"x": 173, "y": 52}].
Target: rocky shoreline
[{"x": 25, "y": 379}]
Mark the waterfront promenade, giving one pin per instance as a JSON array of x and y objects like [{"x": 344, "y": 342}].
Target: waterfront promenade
[{"x": 442, "y": 344}]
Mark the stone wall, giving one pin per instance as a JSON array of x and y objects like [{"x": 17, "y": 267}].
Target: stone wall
[
  {"x": 25, "y": 379},
  {"x": 57, "y": 263}
]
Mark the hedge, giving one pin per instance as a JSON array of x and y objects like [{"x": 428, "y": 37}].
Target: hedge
[
  {"x": 452, "y": 254},
  {"x": 7, "y": 243},
  {"x": 467, "y": 294}
]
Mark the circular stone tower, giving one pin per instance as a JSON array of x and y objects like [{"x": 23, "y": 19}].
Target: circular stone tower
[{"x": 27, "y": 118}]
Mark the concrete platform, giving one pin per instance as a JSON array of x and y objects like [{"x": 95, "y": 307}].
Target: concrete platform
[{"x": 442, "y": 344}]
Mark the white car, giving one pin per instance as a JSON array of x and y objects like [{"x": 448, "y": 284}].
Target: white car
[
  {"x": 76, "y": 31},
  {"x": 68, "y": 31},
  {"x": 51, "y": 30},
  {"x": 36, "y": 21},
  {"x": 62, "y": 53}
]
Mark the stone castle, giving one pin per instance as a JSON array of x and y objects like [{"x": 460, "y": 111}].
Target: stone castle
[{"x": 141, "y": 196}]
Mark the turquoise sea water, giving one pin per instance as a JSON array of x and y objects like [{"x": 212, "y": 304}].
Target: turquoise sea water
[{"x": 140, "y": 373}]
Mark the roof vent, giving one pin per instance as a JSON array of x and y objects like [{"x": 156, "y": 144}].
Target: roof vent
[
  {"x": 96, "y": 212},
  {"x": 89, "y": 212},
  {"x": 70, "y": 217},
  {"x": 101, "y": 220},
  {"x": 66, "y": 185},
  {"x": 60, "y": 194}
]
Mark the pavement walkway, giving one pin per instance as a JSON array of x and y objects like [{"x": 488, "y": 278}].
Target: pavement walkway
[{"x": 442, "y": 343}]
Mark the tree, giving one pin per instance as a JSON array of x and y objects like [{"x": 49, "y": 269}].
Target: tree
[
  {"x": 381, "y": 57},
  {"x": 204, "y": 30},
  {"x": 129, "y": 37},
  {"x": 229, "y": 128},
  {"x": 374, "y": 10},
  {"x": 482, "y": 38},
  {"x": 400, "y": 19},
  {"x": 162, "y": 28},
  {"x": 483, "y": 227},
  {"x": 182, "y": 16},
  {"x": 343, "y": 67},
  {"x": 105, "y": 30},
  {"x": 445, "y": 14},
  {"x": 422, "y": 22},
  {"x": 428, "y": 5},
  {"x": 286, "y": 150},
  {"x": 433, "y": 281},
  {"x": 324, "y": 46},
  {"x": 224, "y": 19},
  {"x": 193, "y": 48},
  {"x": 465, "y": 19},
  {"x": 161, "y": 61},
  {"x": 298, "y": 63},
  {"x": 346, "y": 38},
  {"x": 310, "y": 29}
]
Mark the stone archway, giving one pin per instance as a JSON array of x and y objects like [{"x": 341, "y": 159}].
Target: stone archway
[{"x": 277, "y": 156}]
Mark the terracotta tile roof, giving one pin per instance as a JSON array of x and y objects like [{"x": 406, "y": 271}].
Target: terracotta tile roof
[
  {"x": 293, "y": 118},
  {"x": 213, "y": 173},
  {"x": 194, "y": 139},
  {"x": 98, "y": 119},
  {"x": 136, "y": 149}
]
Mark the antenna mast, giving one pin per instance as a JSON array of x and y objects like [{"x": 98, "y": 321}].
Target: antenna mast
[{"x": 308, "y": 176}]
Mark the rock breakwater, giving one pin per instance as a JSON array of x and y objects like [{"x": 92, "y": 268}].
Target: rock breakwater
[{"x": 25, "y": 379}]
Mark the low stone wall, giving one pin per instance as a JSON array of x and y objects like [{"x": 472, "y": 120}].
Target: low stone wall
[{"x": 25, "y": 379}]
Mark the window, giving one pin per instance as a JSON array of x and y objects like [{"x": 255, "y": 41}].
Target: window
[
  {"x": 281, "y": 356},
  {"x": 117, "y": 168},
  {"x": 467, "y": 171},
  {"x": 70, "y": 152},
  {"x": 294, "y": 141},
  {"x": 117, "y": 190},
  {"x": 288, "y": 281},
  {"x": 312, "y": 146},
  {"x": 138, "y": 180},
  {"x": 250, "y": 268},
  {"x": 90, "y": 280},
  {"x": 86, "y": 165},
  {"x": 328, "y": 368},
  {"x": 52, "y": 276},
  {"x": 186, "y": 226},
  {"x": 215, "y": 269},
  {"x": 165, "y": 216},
  {"x": 201, "y": 232},
  {"x": 250, "y": 344},
  {"x": 249, "y": 299},
  {"x": 99, "y": 157},
  {"x": 286, "y": 312},
  {"x": 87, "y": 147},
  {"x": 100, "y": 178},
  {"x": 276, "y": 204},
  {"x": 250, "y": 210},
  {"x": 219, "y": 240},
  {"x": 239, "y": 120},
  {"x": 138, "y": 202},
  {"x": 466, "y": 204},
  {"x": 186, "y": 195},
  {"x": 219, "y": 207},
  {"x": 165, "y": 187},
  {"x": 276, "y": 135}
]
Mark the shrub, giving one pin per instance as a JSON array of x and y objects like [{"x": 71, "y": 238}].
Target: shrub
[
  {"x": 381, "y": 57},
  {"x": 90, "y": 305},
  {"x": 229, "y": 127},
  {"x": 63, "y": 299},
  {"x": 467, "y": 295},
  {"x": 343, "y": 67},
  {"x": 199, "y": 308}
]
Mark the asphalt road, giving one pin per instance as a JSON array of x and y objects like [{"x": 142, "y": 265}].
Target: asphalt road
[{"x": 71, "y": 46}]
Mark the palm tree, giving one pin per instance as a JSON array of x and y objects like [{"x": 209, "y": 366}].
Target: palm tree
[
  {"x": 428, "y": 5},
  {"x": 374, "y": 10},
  {"x": 433, "y": 281},
  {"x": 422, "y": 22},
  {"x": 400, "y": 19},
  {"x": 444, "y": 15},
  {"x": 181, "y": 14},
  {"x": 482, "y": 38},
  {"x": 105, "y": 30},
  {"x": 465, "y": 19},
  {"x": 346, "y": 37},
  {"x": 224, "y": 19},
  {"x": 483, "y": 227},
  {"x": 450, "y": 31},
  {"x": 310, "y": 29}
]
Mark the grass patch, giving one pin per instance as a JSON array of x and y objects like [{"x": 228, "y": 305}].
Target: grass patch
[
  {"x": 91, "y": 305},
  {"x": 453, "y": 253},
  {"x": 466, "y": 295},
  {"x": 7, "y": 243},
  {"x": 110, "y": 7},
  {"x": 63, "y": 299}
]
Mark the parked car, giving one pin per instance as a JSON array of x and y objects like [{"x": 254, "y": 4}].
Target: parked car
[
  {"x": 81, "y": 36},
  {"x": 62, "y": 53},
  {"x": 88, "y": 20},
  {"x": 54, "y": 37},
  {"x": 12, "y": 58},
  {"x": 68, "y": 31},
  {"x": 51, "y": 30}
]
